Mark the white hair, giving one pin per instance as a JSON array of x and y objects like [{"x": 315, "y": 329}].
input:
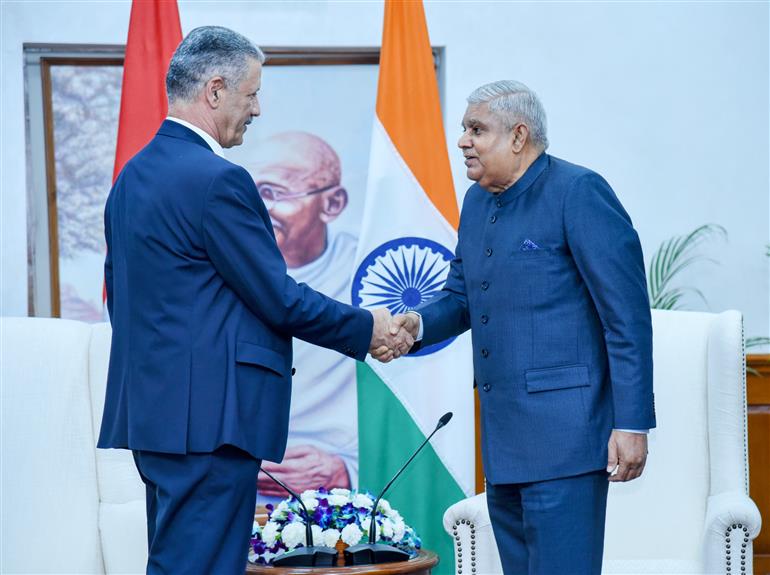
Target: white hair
[{"x": 514, "y": 102}]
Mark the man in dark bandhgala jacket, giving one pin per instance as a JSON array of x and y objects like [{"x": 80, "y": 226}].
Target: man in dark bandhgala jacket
[{"x": 548, "y": 275}]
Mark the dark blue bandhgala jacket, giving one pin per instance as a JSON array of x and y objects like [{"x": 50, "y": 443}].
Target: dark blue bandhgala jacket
[
  {"x": 549, "y": 277},
  {"x": 202, "y": 309}
]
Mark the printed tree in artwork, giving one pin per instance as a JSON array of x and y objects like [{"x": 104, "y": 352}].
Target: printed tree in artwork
[{"x": 86, "y": 102}]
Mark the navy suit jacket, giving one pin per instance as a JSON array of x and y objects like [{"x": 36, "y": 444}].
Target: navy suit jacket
[
  {"x": 202, "y": 309},
  {"x": 550, "y": 278}
]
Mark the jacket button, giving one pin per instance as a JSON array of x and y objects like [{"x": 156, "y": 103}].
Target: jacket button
[
  {"x": 293, "y": 370},
  {"x": 485, "y": 352},
  {"x": 484, "y": 319},
  {"x": 486, "y": 387},
  {"x": 499, "y": 203},
  {"x": 493, "y": 219},
  {"x": 485, "y": 285},
  {"x": 488, "y": 251}
]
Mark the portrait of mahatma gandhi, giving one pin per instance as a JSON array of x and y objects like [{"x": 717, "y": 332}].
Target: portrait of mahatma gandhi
[{"x": 299, "y": 178}]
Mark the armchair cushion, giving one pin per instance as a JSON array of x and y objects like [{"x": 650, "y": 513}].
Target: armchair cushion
[
  {"x": 50, "y": 500},
  {"x": 66, "y": 506},
  {"x": 122, "y": 512}
]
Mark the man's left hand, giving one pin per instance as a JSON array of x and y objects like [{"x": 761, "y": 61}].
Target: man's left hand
[{"x": 628, "y": 453}]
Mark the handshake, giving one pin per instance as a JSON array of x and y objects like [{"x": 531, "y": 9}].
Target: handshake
[{"x": 392, "y": 336}]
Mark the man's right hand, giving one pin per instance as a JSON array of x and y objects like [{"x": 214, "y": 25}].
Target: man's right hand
[
  {"x": 388, "y": 343},
  {"x": 404, "y": 326}
]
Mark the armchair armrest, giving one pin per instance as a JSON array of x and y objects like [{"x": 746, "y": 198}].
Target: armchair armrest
[
  {"x": 732, "y": 523},
  {"x": 467, "y": 522}
]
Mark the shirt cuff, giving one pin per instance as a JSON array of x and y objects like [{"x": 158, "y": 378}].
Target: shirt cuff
[
  {"x": 419, "y": 330},
  {"x": 643, "y": 431}
]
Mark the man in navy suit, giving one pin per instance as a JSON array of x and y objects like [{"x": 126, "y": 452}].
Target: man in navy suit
[
  {"x": 548, "y": 275},
  {"x": 203, "y": 313}
]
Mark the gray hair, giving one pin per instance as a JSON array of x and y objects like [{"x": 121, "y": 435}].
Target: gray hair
[
  {"x": 206, "y": 52},
  {"x": 514, "y": 102}
]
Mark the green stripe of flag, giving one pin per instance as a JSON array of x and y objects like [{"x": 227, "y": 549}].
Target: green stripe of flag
[{"x": 387, "y": 436}]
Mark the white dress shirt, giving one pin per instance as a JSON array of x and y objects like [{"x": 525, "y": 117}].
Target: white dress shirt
[{"x": 213, "y": 144}]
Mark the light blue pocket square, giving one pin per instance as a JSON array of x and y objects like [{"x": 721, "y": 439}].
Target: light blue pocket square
[{"x": 528, "y": 245}]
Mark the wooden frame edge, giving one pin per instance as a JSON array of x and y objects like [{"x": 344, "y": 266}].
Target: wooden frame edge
[
  {"x": 46, "y": 62},
  {"x": 50, "y": 179}
]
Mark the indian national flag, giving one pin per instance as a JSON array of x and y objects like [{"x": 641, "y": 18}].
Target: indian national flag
[{"x": 407, "y": 240}]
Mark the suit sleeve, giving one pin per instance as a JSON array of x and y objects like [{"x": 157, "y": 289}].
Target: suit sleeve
[
  {"x": 243, "y": 250},
  {"x": 608, "y": 255},
  {"x": 446, "y": 315}
]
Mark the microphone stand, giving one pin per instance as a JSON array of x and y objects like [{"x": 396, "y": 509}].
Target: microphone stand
[
  {"x": 371, "y": 552},
  {"x": 308, "y": 556}
]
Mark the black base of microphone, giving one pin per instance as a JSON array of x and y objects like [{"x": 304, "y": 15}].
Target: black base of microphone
[
  {"x": 373, "y": 553},
  {"x": 307, "y": 557}
]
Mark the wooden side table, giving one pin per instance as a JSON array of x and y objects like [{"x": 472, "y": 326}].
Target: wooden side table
[
  {"x": 420, "y": 565},
  {"x": 758, "y": 399}
]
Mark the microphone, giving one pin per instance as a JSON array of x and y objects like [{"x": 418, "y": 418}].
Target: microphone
[
  {"x": 371, "y": 552},
  {"x": 308, "y": 556}
]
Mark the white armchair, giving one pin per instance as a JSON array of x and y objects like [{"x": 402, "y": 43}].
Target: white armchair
[
  {"x": 690, "y": 511},
  {"x": 66, "y": 506}
]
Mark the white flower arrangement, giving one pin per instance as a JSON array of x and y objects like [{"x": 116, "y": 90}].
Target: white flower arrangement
[
  {"x": 293, "y": 534},
  {"x": 339, "y": 514}
]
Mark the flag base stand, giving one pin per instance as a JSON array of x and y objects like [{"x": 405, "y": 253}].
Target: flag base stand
[{"x": 373, "y": 553}]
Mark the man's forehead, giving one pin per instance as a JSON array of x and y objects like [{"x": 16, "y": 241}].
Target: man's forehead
[
  {"x": 296, "y": 159},
  {"x": 477, "y": 114},
  {"x": 285, "y": 167},
  {"x": 281, "y": 170},
  {"x": 284, "y": 155},
  {"x": 257, "y": 72},
  {"x": 254, "y": 74}
]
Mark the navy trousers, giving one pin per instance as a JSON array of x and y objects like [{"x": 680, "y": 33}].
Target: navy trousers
[
  {"x": 200, "y": 509},
  {"x": 551, "y": 527}
]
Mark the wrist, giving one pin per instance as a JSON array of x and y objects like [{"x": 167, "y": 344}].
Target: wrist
[{"x": 414, "y": 323}]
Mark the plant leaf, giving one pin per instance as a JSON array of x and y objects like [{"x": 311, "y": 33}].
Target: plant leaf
[
  {"x": 757, "y": 341},
  {"x": 675, "y": 255}
]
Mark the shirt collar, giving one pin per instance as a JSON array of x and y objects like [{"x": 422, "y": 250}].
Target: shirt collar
[
  {"x": 212, "y": 143},
  {"x": 526, "y": 180}
]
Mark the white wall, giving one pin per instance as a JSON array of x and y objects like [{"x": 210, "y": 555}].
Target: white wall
[{"x": 669, "y": 101}]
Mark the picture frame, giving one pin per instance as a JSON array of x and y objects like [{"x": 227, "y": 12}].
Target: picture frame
[{"x": 59, "y": 226}]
